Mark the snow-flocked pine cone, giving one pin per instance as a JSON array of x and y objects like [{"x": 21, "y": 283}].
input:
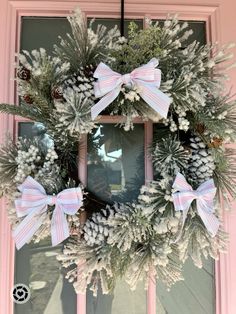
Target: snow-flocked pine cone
[
  {"x": 95, "y": 229},
  {"x": 201, "y": 163},
  {"x": 82, "y": 81}
]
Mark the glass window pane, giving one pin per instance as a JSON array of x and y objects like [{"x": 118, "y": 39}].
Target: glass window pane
[
  {"x": 116, "y": 172},
  {"x": 42, "y": 32},
  {"x": 37, "y": 131},
  {"x": 25, "y": 129},
  {"x": 196, "y": 294},
  {"x": 199, "y": 31},
  {"x": 116, "y": 162},
  {"x": 122, "y": 301},
  {"x": 37, "y": 267}
]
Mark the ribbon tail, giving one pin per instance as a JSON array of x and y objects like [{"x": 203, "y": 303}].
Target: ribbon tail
[
  {"x": 59, "y": 226},
  {"x": 27, "y": 228},
  {"x": 210, "y": 221},
  {"x": 104, "y": 102},
  {"x": 156, "y": 99}
]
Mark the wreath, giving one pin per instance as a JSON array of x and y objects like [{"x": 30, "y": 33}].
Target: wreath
[{"x": 153, "y": 74}]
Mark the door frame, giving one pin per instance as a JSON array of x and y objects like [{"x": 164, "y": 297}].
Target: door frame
[{"x": 10, "y": 25}]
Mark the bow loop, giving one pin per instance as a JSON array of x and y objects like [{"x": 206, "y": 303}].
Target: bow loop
[
  {"x": 30, "y": 183},
  {"x": 147, "y": 78},
  {"x": 103, "y": 70},
  {"x": 70, "y": 199},
  {"x": 181, "y": 184},
  {"x": 34, "y": 204},
  {"x": 207, "y": 186},
  {"x": 107, "y": 85},
  {"x": 204, "y": 196},
  {"x": 33, "y": 197},
  {"x": 148, "y": 73},
  {"x": 107, "y": 80}
]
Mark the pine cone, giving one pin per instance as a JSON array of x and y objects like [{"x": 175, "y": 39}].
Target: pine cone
[
  {"x": 200, "y": 128},
  {"x": 201, "y": 163},
  {"x": 88, "y": 70},
  {"x": 23, "y": 74},
  {"x": 95, "y": 229},
  {"x": 28, "y": 99},
  {"x": 57, "y": 92},
  {"x": 83, "y": 82}
]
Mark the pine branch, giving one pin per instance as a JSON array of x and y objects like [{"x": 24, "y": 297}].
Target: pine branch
[
  {"x": 41, "y": 95},
  {"x": 225, "y": 174},
  {"x": 169, "y": 156},
  {"x": 25, "y": 111},
  {"x": 85, "y": 46},
  {"x": 218, "y": 116},
  {"x": 8, "y": 164}
]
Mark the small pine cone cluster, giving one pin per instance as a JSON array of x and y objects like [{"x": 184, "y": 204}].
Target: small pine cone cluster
[
  {"x": 95, "y": 229},
  {"x": 83, "y": 81},
  {"x": 201, "y": 163}
]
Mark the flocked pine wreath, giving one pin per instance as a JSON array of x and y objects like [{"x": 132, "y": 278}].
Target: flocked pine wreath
[{"x": 152, "y": 74}]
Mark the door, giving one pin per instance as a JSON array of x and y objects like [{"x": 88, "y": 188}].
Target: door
[{"x": 38, "y": 26}]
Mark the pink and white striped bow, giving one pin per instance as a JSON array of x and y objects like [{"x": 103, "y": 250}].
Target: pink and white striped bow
[
  {"x": 34, "y": 203},
  {"x": 146, "y": 78},
  {"x": 204, "y": 195}
]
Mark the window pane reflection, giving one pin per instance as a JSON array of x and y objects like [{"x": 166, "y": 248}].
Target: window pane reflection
[
  {"x": 196, "y": 294},
  {"x": 122, "y": 301},
  {"x": 38, "y": 268},
  {"x": 116, "y": 162},
  {"x": 31, "y": 130}
]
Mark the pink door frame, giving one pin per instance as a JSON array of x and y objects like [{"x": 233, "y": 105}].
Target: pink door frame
[{"x": 10, "y": 15}]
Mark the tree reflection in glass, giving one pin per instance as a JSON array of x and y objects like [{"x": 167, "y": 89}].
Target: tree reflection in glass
[{"x": 116, "y": 162}]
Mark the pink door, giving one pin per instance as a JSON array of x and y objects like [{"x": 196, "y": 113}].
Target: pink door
[{"x": 16, "y": 22}]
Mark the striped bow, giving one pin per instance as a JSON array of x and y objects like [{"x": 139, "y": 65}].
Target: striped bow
[
  {"x": 146, "y": 78},
  {"x": 34, "y": 203},
  {"x": 204, "y": 196}
]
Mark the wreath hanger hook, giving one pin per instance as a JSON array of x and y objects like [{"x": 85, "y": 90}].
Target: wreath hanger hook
[{"x": 122, "y": 18}]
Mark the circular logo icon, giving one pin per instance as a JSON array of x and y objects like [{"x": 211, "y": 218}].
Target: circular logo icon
[{"x": 20, "y": 293}]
